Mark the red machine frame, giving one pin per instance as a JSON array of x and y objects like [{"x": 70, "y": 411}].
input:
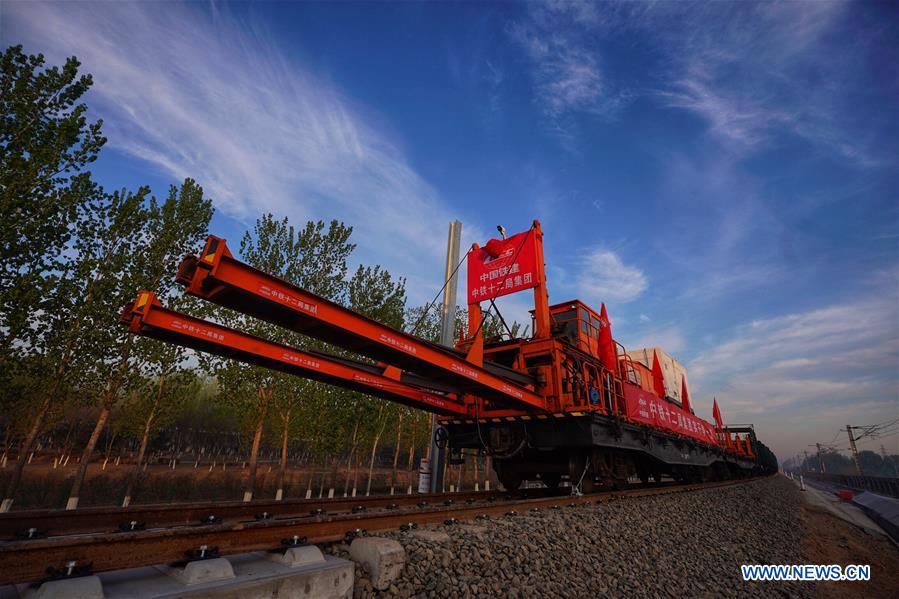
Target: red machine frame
[{"x": 556, "y": 372}]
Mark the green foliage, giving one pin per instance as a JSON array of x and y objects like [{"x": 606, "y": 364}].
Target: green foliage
[
  {"x": 45, "y": 141},
  {"x": 172, "y": 229},
  {"x": 72, "y": 255},
  {"x": 375, "y": 294}
]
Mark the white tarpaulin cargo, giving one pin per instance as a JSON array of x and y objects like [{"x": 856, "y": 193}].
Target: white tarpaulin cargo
[{"x": 673, "y": 370}]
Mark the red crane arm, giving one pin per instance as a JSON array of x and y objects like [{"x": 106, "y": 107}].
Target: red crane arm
[
  {"x": 147, "y": 317},
  {"x": 218, "y": 277}
]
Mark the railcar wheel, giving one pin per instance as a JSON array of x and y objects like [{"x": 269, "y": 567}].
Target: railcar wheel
[
  {"x": 551, "y": 481},
  {"x": 510, "y": 480}
]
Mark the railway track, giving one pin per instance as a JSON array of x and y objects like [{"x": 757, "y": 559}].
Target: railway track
[
  {"x": 43, "y": 523},
  {"x": 176, "y": 538}
]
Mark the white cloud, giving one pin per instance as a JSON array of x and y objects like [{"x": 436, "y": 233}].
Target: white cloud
[
  {"x": 747, "y": 78},
  {"x": 644, "y": 318},
  {"x": 807, "y": 372},
  {"x": 733, "y": 118},
  {"x": 556, "y": 38},
  {"x": 204, "y": 96},
  {"x": 604, "y": 277}
]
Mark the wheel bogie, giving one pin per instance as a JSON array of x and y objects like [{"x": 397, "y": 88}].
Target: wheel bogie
[{"x": 592, "y": 454}]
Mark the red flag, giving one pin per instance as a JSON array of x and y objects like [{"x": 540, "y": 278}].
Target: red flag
[
  {"x": 658, "y": 379},
  {"x": 607, "y": 352},
  {"x": 716, "y": 413},
  {"x": 684, "y": 396}
]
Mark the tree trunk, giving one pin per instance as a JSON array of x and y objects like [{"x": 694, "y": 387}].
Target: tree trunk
[
  {"x": 72, "y": 503},
  {"x": 349, "y": 460},
  {"x": 24, "y": 451},
  {"x": 257, "y": 441},
  {"x": 139, "y": 460},
  {"x": 396, "y": 449},
  {"x": 112, "y": 389},
  {"x": 374, "y": 450},
  {"x": 279, "y": 494},
  {"x": 144, "y": 441}
]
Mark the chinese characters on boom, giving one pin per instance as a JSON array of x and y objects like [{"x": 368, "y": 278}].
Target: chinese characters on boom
[
  {"x": 288, "y": 299},
  {"x": 197, "y": 330},
  {"x": 502, "y": 268}
]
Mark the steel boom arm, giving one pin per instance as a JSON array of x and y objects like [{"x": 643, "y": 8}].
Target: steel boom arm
[
  {"x": 147, "y": 317},
  {"x": 220, "y": 278}
]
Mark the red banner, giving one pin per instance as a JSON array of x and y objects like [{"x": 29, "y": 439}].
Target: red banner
[
  {"x": 646, "y": 408},
  {"x": 502, "y": 267}
]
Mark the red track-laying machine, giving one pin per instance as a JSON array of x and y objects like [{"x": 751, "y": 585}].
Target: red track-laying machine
[{"x": 565, "y": 403}]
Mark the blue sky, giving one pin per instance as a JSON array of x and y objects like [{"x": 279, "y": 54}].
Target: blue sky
[{"x": 722, "y": 175}]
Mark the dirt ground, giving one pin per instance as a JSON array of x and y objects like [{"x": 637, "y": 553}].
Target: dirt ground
[
  {"x": 45, "y": 487},
  {"x": 830, "y": 540}
]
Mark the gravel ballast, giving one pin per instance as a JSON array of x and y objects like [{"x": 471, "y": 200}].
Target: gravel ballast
[{"x": 688, "y": 544}]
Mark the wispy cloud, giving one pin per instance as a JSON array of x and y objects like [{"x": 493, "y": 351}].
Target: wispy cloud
[
  {"x": 604, "y": 277},
  {"x": 732, "y": 118},
  {"x": 813, "y": 366},
  {"x": 565, "y": 70},
  {"x": 762, "y": 73},
  {"x": 207, "y": 96},
  {"x": 753, "y": 72}
]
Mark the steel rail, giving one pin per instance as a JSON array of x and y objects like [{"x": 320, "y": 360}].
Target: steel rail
[
  {"x": 58, "y": 522},
  {"x": 218, "y": 277},
  {"x": 27, "y": 561},
  {"x": 147, "y": 317}
]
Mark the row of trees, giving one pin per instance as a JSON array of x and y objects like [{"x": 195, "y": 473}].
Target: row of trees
[
  {"x": 871, "y": 463},
  {"x": 73, "y": 254}
]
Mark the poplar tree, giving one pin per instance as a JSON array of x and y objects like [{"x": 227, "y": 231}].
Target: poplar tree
[
  {"x": 46, "y": 141},
  {"x": 374, "y": 293},
  {"x": 79, "y": 311},
  {"x": 144, "y": 256},
  {"x": 314, "y": 258}
]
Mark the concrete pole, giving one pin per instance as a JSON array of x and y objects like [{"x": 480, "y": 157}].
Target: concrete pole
[
  {"x": 854, "y": 449},
  {"x": 820, "y": 459},
  {"x": 447, "y": 326}
]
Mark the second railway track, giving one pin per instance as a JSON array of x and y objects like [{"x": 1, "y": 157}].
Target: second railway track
[{"x": 28, "y": 560}]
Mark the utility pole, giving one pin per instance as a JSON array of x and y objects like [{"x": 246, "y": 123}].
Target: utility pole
[
  {"x": 820, "y": 459},
  {"x": 447, "y": 325},
  {"x": 804, "y": 462},
  {"x": 883, "y": 452},
  {"x": 854, "y": 449}
]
